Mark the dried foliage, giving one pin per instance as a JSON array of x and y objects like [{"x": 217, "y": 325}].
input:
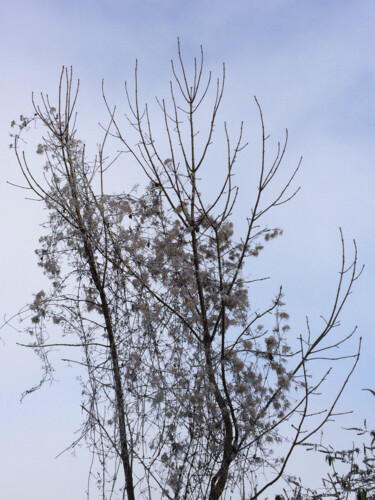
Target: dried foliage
[{"x": 187, "y": 383}]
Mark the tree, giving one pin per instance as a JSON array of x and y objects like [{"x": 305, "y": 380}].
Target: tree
[
  {"x": 351, "y": 469},
  {"x": 187, "y": 384}
]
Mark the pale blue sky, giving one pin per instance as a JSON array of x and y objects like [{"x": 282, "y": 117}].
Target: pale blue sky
[{"x": 312, "y": 65}]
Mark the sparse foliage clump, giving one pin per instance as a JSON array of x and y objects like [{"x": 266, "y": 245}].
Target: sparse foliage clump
[
  {"x": 351, "y": 471},
  {"x": 187, "y": 382}
]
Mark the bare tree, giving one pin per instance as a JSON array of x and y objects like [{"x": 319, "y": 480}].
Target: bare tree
[{"x": 187, "y": 384}]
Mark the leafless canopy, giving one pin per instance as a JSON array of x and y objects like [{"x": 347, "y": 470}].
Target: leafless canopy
[{"x": 186, "y": 384}]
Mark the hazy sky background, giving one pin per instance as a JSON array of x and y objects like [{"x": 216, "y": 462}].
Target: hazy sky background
[{"x": 312, "y": 66}]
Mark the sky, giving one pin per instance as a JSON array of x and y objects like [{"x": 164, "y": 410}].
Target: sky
[{"x": 311, "y": 65}]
